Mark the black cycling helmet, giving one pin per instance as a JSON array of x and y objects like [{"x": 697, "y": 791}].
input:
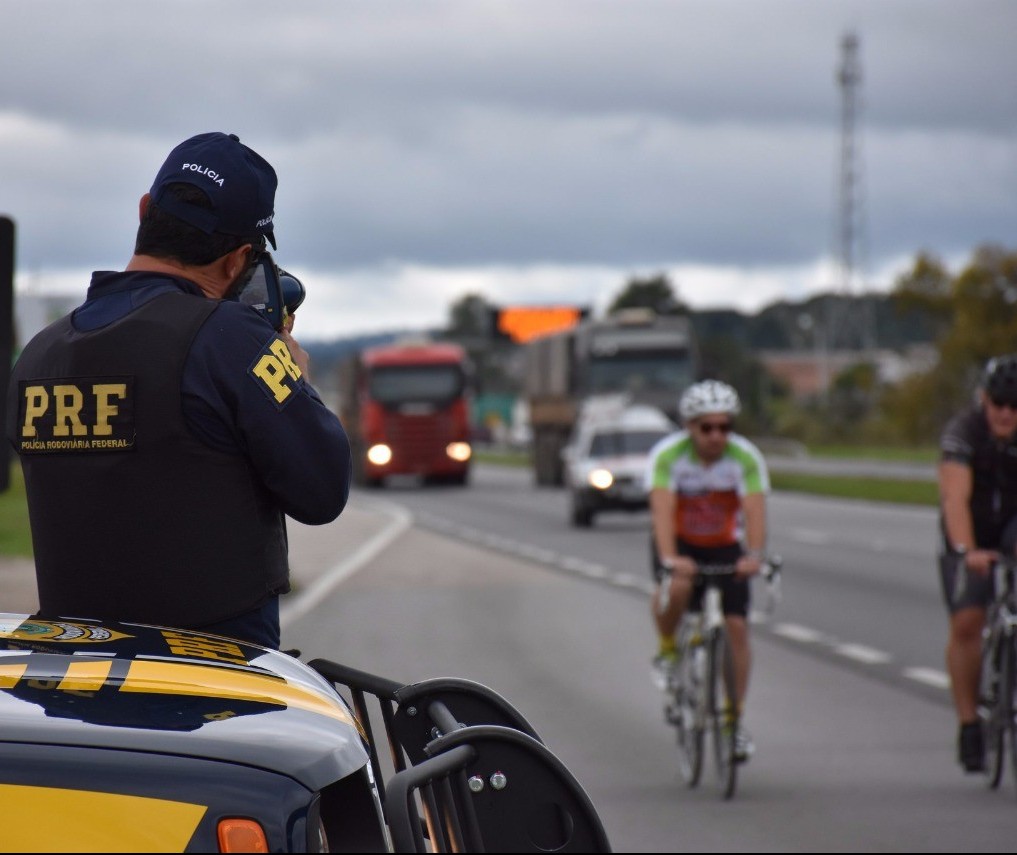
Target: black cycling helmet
[{"x": 1000, "y": 379}]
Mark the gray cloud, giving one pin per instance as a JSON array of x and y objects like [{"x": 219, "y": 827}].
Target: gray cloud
[{"x": 626, "y": 133}]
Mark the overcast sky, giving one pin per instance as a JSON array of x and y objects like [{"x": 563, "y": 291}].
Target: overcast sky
[{"x": 531, "y": 152}]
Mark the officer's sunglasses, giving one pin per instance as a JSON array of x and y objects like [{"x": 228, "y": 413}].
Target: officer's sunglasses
[{"x": 707, "y": 428}]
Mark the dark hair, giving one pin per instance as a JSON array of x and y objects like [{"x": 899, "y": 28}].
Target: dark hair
[{"x": 162, "y": 235}]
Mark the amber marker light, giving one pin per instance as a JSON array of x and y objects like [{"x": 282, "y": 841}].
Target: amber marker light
[
  {"x": 241, "y": 835},
  {"x": 460, "y": 451}
]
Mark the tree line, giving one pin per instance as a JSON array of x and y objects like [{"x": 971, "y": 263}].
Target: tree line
[{"x": 964, "y": 317}]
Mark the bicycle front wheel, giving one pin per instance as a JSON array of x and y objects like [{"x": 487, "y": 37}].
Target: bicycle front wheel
[
  {"x": 996, "y": 696},
  {"x": 689, "y": 706},
  {"x": 1009, "y": 709},
  {"x": 723, "y": 706}
]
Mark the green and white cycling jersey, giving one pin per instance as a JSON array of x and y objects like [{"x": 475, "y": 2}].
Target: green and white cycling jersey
[{"x": 708, "y": 496}]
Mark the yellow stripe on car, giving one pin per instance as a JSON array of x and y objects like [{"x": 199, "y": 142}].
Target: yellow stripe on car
[
  {"x": 87, "y": 676},
  {"x": 53, "y": 819},
  {"x": 11, "y": 673},
  {"x": 173, "y": 678}
]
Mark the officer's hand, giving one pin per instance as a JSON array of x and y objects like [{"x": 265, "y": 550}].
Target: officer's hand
[
  {"x": 980, "y": 561},
  {"x": 748, "y": 565},
  {"x": 299, "y": 355}
]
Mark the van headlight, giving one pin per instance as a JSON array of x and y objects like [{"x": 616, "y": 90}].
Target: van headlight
[{"x": 600, "y": 479}]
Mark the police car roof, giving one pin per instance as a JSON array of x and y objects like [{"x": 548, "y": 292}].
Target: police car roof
[{"x": 139, "y": 688}]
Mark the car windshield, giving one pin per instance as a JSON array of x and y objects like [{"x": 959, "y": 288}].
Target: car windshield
[
  {"x": 613, "y": 443},
  {"x": 415, "y": 384}
]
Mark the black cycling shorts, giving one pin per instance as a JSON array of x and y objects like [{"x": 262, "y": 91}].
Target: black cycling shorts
[
  {"x": 735, "y": 592},
  {"x": 963, "y": 589}
]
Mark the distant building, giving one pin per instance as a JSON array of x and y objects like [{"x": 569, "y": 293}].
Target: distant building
[{"x": 808, "y": 373}]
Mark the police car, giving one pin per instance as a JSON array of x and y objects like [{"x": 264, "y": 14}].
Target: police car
[
  {"x": 122, "y": 737},
  {"x": 606, "y": 457}
]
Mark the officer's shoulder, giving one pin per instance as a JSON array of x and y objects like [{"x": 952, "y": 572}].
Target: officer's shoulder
[{"x": 233, "y": 319}]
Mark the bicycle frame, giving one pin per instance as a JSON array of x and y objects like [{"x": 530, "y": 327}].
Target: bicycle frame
[{"x": 702, "y": 690}]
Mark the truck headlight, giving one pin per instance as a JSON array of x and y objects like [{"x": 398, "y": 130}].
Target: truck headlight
[
  {"x": 379, "y": 454},
  {"x": 601, "y": 479},
  {"x": 460, "y": 451}
]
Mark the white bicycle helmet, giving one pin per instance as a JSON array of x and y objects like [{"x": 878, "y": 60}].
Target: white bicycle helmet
[{"x": 706, "y": 398}]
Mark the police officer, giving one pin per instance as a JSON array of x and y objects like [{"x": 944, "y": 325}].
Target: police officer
[{"x": 165, "y": 430}]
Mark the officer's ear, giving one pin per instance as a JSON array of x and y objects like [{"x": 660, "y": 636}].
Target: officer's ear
[
  {"x": 236, "y": 261},
  {"x": 146, "y": 200}
]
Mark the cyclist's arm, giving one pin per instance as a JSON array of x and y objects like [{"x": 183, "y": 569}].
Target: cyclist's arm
[
  {"x": 955, "y": 485},
  {"x": 754, "y": 511},
  {"x": 662, "y": 508}
]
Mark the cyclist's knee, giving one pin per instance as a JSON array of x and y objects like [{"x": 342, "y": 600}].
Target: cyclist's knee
[
  {"x": 737, "y": 627},
  {"x": 966, "y": 625}
]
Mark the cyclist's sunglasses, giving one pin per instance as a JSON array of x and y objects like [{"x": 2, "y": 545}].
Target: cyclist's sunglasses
[
  {"x": 999, "y": 403},
  {"x": 709, "y": 427}
]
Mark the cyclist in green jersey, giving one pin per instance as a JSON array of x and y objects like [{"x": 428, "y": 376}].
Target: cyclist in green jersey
[{"x": 707, "y": 489}]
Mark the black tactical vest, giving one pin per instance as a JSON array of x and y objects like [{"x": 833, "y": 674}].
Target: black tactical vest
[{"x": 133, "y": 518}]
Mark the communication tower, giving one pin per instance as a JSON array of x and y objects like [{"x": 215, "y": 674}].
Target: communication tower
[{"x": 857, "y": 325}]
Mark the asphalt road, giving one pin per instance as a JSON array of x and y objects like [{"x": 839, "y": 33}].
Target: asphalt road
[{"x": 854, "y": 732}]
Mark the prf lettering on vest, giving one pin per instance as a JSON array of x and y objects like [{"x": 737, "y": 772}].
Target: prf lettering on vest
[
  {"x": 79, "y": 414},
  {"x": 276, "y": 372}
]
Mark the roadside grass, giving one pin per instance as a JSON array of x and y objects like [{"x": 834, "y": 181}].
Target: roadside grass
[
  {"x": 865, "y": 489},
  {"x": 15, "y": 535},
  {"x": 911, "y": 454}
]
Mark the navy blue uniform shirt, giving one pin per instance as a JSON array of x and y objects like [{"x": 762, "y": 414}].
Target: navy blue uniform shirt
[{"x": 298, "y": 447}]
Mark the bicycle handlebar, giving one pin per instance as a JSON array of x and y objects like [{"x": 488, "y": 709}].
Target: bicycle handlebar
[
  {"x": 770, "y": 572},
  {"x": 771, "y": 567}
]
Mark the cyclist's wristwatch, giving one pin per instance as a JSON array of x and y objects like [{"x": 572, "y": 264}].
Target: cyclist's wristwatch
[
  {"x": 669, "y": 562},
  {"x": 960, "y": 550}
]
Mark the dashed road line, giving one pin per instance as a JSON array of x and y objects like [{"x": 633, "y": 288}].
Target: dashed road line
[
  {"x": 928, "y": 676},
  {"x": 859, "y": 653},
  {"x": 797, "y": 632}
]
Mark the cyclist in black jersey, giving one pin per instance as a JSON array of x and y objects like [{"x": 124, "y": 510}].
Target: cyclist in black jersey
[{"x": 978, "y": 504}]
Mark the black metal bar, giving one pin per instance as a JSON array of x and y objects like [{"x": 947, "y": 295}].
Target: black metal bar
[
  {"x": 353, "y": 678},
  {"x": 406, "y": 833},
  {"x": 433, "y": 819}
]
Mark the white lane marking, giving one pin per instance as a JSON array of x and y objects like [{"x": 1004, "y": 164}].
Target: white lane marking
[
  {"x": 861, "y": 653},
  {"x": 627, "y": 580},
  {"x": 797, "y": 632},
  {"x": 808, "y": 535},
  {"x": 928, "y": 676},
  {"x": 538, "y": 554},
  {"x": 584, "y": 568},
  {"x": 399, "y": 520}
]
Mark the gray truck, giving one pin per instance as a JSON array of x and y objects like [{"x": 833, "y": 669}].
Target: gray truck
[{"x": 650, "y": 358}]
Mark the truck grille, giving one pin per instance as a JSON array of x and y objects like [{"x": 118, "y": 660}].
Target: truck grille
[{"x": 418, "y": 438}]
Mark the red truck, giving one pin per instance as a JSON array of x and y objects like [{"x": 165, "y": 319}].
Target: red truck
[{"x": 406, "y": 409}]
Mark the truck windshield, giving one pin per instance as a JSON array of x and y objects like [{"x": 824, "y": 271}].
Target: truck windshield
[
  {"x": 432, "y": 384},
  {"x": 638, "y": 372},
  {"x": 614, "y": 443}
]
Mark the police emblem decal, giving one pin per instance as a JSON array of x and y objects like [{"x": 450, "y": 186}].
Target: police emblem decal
[{"x": 275, "y": 372}]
